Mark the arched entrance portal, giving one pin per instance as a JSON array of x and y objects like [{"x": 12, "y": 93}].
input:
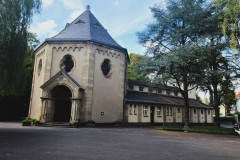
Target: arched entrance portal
[{"x": 62, "y": 103}]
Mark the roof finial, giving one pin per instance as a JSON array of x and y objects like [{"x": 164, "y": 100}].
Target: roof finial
[{"x": 87, "y": 7}]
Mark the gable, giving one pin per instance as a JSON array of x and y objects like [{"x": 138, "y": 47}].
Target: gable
[{"x": 61, "y": 76}]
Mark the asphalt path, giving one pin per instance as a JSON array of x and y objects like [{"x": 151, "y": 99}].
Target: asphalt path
[{"x": 45, "y": 143}]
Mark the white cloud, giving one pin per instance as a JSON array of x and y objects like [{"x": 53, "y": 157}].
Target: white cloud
[
  {"x": 73, "y": 15},
  {"x": 73, "y": 4},
  {"x": 130, "y": 24},
  {"x": 45, "y": 28},
  {"x": 47, "y": 3},
  {"x": 76, "y": 6}
]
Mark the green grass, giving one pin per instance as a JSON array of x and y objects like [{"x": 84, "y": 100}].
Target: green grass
[
  {"x": 211, "y": 129},
  {"x": 201, "y": 129}
]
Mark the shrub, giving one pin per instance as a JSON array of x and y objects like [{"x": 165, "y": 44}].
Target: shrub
[
  {"x": 30, "y": 121},
  {"x": 90, "y": 123},
  {"x": 227, "y": 120},
  {"x": 27, "y": 122},
  {"x": 118, "y": 123},
  {"x": 74, "y": 124}
]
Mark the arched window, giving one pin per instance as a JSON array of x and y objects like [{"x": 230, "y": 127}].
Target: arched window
[
  {"x": 67, "y": 63},
  {"x": 39, "y": 67}
]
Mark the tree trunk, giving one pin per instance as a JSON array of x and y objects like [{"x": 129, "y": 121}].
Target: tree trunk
[
  {"x": 216, "y": 106},
  {"x": 186, "y": 102}
]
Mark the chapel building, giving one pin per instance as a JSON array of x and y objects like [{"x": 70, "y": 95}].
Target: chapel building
[{"x": 81, "y": 74}]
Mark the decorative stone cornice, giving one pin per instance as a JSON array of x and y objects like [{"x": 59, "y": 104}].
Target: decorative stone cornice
[
  {"x": 108, "y": 53},
  {"x": 69, "y": 48}
]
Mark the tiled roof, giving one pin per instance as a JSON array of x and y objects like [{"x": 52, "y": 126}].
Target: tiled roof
[
  {"x": 153, "y": 98},
  {"x": 86, "y": 28},
  {"x": 141, "y": 83}
]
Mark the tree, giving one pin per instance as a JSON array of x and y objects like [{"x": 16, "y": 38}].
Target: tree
[
  {"x": 228, "y": 98},
  {"x": 220, "y": 70},
  {"x": 175, "y": 57},
  {"x": 231, "y": 27},
  {"x": 15, "y": 17},
  {"x": 198, "y": 98},
  {"x": 134, "y": 59}
]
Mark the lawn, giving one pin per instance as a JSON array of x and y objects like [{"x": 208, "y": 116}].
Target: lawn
[{"x": 201, "y": 129}]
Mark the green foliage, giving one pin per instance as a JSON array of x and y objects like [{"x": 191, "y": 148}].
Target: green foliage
[
  {"x": 198, "y": 98},
  {"x": 30, "y": 121},
  {"x": 175, "y": 57},
  {"x": 228, "y": 98},
  {"x": 90, "y": 123},
  {"x": 15, "y": 17},
  {"x": 230, "y": 27},
  {"x": 75, "y": 124},
  {"x": 227, "y": 120},
  {"x": 118, "y": 123},
  {"x": 230, "y": 23},
  {"x": 202, "y": 129},
  {"x": 135, "y": 59}
]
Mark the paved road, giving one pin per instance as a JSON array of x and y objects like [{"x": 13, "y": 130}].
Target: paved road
[{"x": 37, "y": 143}]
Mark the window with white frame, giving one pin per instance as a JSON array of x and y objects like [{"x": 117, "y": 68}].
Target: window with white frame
[
  {"x": 134, "y": 110},
  {"x": 145, "y": 111},
  {"x": 201, "y": 111},
  {"x": 150, "y": 90},
  {"x": 194, "y": 111},
  {"x": 175, "y": 93},
  {"x": 168, "y": 93},
  {"x": 130, "y": 87},
  {"x": 159, "y": 91},
  {"x": 178, "y": 110},
  {"x": 159, "y": 111},
  {"x": 130, "y": 109},
  {"x": 208, "y": 112},
  {"x": 141, "y": 88},
  {"x": 169, "y": 111}
]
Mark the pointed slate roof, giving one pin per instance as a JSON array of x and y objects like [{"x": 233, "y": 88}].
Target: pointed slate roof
[{"x": 86, "y": 27}]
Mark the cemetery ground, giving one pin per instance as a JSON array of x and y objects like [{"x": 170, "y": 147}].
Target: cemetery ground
[{"x": 120, "y": 143}]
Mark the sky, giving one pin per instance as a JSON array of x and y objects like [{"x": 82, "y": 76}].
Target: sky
[{"x": 122, "y": 18}]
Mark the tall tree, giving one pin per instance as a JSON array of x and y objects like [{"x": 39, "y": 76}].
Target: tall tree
[
  {"x": 15, "y": 17},
  {"x": 220, "y": 69},
  {"x": 134, "y": 59},
  {"x": 231, "y": 27},
  {"x": 172, "y": 39}
]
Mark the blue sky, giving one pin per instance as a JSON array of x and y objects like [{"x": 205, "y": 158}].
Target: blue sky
[{"x": 122, "y": 18}]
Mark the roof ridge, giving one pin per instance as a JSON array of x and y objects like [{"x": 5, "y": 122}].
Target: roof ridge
[{"x": 89, "y": 12}]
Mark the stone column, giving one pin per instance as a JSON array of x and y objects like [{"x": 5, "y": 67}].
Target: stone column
[
  {"x": 190, "y": 115},
  {"x": 174, "y": 114},
  {"x": 183, "y": 114},
  {"x": 198, "y": 115},
  {"x": 43, "y": 111},
  {"x": 139, "y": 113},
  {"x": 75, "y": 109},
  {"x": 164, "y": 114},
  {"x": 205, "y": 115}
]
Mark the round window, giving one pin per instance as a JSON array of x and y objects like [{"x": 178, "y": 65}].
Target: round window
[
  {"x": 106, "y": 68},
  {"x": 67, "y": 63}
]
